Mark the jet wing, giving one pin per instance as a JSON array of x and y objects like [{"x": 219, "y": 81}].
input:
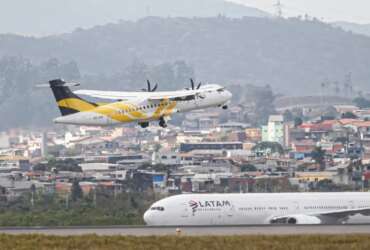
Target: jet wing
[
  {"x": 346, "y": 212},
  {"x": 318, "y": 218}
]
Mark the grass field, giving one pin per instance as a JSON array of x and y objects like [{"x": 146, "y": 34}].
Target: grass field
[{"x": 93, "y": 242}]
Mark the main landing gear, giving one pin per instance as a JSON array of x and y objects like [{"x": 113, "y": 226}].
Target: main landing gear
[
  {"x": 144, "y": 124},
  {"x": 162, "y": 122}
]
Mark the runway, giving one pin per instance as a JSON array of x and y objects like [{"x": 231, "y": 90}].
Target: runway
[{"x": 195, "y": 231}]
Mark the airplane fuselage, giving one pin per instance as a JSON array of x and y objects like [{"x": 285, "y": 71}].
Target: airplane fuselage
[{"x": 244, "y": 209}]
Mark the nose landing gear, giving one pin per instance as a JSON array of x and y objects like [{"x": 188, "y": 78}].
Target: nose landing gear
[{"x": 162, "y": 122}]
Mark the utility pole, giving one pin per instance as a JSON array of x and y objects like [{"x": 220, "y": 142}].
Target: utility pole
[
  {"x": 94, "y": 197},
  {"x": 348, "y": 85},
  {"x": 279, "y": 9},
  {"x": 67, "y": 201}
]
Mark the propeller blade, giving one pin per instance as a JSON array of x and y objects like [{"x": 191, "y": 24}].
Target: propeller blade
[
  {"x": 192, "y": 83},
  {"x": 149, "y": 88},
  {"x": 199, "y": 85},
  {"x": 155, "y": 87}
]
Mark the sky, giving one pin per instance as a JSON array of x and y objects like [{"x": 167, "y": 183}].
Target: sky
[{"x": 327, "y": 10}]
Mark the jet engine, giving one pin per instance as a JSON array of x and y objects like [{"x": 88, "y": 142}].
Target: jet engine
[{"x": 296, "y": 219}]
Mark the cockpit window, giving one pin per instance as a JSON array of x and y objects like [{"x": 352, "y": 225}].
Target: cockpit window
[
  {"x": 157, "y": 208},
  {"x": 220, "y": 90}
]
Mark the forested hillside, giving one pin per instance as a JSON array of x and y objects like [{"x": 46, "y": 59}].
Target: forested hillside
[
  {"x": 45, "y": 17},
  {"x": 292, "y": 56}
]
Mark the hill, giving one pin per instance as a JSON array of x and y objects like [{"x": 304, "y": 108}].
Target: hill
[
  {"x": 292, "y": 56},
  {"x": 363, "y": 29},
  {"x": 45, "y": 17}
]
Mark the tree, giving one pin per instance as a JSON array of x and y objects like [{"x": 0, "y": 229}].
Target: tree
[
  {"x": 269, "y": 147},
  {"x": 288, "y": 116},
  {"x": 349, "y": 115},
  {"x": 76, "y": 191},
  {"x": 318, "y": 155},
  {"x": 362, "y": 102},
  {"x": 248, "y": 168},
  {"x": 298, "y": 121}
]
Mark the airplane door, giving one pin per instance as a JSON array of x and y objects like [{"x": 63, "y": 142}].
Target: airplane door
[
  {"x": 199, "y": 99},
  {"x": 296, "y": 206},
  {"x": 230, "y": 215},
  {"x": 352, "y": 205},
  {"x": 185, "y": 211}
]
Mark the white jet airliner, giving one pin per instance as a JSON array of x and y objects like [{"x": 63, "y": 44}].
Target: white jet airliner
[
  {"x": 140, "y": 107},
  {"x": 254, "y": 209}
]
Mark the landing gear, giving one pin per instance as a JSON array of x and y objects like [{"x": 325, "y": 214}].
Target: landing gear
[
  {"x": 162, "y": 122},
  {"x": 225, "y": 107},
  {"x": 144, "y": 124}
]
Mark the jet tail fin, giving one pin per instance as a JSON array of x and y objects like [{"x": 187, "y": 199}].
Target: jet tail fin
[{"x": 68, "y": 102}]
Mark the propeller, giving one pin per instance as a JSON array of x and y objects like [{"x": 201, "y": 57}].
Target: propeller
[
  {"x": 193, "y": 85},
  {"x": 149, "y": 88}
]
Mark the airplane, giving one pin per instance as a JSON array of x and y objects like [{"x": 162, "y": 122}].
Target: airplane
[
  {"x": 257, "y": 208},
  {"x": 126, "y": 107}
]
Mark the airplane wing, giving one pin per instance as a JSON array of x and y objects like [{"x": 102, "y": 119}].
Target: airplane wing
[
  {"x": 151, "y": 96},
  {"x": 112, "y": 95},
  {"x": 319, "y": 218},
  {"x": 175, "y": 97}
]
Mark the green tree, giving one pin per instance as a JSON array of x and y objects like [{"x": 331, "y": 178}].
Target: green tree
[
  {"x": 269, "y": 147},
  {"x": 248, "y": 168},
  {"x": 288, "y": 116},
  {"x": 318, "y": 155},
  {"x": 362, "y": 102},
  {"x": 298, "y": 121},
  {"x": 76, "y": 191},
  {"x": 349, "y": 115}
]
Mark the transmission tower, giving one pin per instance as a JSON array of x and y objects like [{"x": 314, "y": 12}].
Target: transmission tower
[{"x": 279, "y": 9}]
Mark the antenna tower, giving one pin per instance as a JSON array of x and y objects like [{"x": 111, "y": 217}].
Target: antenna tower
[{"x": 279, "y": 9}]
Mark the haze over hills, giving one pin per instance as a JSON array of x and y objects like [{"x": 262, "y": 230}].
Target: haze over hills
[
  {"x": 293, "y": 56},
  {"x": 290, "y": 55},
  {"x": 363, "y": 29},
  {"x": 45, "y": 17}
]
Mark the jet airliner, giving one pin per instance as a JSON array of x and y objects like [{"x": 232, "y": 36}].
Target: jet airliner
[
  {"x": 254, "y": 209},
  {"x": 140, "y": 107}
]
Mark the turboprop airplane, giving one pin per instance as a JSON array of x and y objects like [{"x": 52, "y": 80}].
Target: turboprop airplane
[{"x": 127, "y": 107}]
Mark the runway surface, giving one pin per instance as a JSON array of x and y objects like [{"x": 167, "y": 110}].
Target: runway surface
[{"x": 196, "y": 231}]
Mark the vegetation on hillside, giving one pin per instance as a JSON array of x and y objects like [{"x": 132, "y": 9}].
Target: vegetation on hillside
[{"x": 293, "y": 55}]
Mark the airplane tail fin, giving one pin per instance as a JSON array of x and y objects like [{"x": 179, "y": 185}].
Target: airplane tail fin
[{"x": 68, "y": 102}]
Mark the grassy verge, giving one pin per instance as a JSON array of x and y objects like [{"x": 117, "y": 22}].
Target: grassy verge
[{"x": 93, "y": 242}]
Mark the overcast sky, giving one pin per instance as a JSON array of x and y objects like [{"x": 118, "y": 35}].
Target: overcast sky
[{"x": 328, "y": 10}]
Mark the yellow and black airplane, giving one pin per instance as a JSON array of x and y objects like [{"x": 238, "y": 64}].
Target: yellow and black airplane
[{"x": 140, "y": 107}]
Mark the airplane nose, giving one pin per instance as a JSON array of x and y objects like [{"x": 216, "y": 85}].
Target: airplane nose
[
  {"x": 228, "y": 95},
  {"x": 59, "y": 120},
  {"x": 147, "y": 217}
]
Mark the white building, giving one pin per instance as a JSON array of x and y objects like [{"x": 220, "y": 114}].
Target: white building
[{"x": 274, "y": 131}]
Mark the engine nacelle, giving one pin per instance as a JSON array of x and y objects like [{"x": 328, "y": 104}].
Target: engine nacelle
[{"x": 299, "y": 219}]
